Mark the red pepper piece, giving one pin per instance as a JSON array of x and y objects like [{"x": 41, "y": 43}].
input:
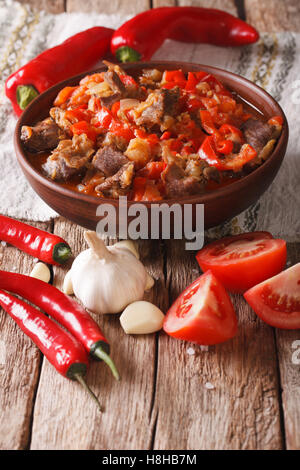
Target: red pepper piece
[
  {"x": 64, "y": 309},
  {"x": 57, "y": 64},
  {"x": 43, "y": 245},
  {"x": 141, "y": 36},
  {"x": 208, "y": 152},
  {"x": 83, "y": 127},
  {"x": 152, "y": 170},
  {"x": 62, "y": 350}
]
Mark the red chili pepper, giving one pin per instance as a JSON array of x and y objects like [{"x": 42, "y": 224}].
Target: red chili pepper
[
  {"x": 64, "y": 309},
  {"x": 78, "y": 53},
  {"x": 43, "y": 245},
  {"x": 62, "y": 350},
  {"x": 141, "y": 36}
]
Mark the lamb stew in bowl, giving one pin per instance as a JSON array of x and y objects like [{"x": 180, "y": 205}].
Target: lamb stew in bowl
[{"x": 160, "y": 135}]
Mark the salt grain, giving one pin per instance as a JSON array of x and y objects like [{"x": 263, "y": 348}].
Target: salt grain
[
  {"x": 190, "y": 351},
  {"x": 3, "y": 243},
  {"x": 209, "y": 386}
]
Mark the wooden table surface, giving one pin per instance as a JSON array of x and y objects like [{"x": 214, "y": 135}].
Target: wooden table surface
[{"x": 162, "y": 401}]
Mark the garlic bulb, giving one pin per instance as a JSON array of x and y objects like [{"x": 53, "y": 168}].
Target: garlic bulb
[{"x": 107, "y": 279}]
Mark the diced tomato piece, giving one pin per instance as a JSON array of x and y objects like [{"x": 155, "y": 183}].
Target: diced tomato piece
[
  {"x": 276, "y": 121},
  {"x": 203, "y": 313},
  {"x": 224, "y": 146},
  {"x": 127, "y": 80},
  {"x": 78, "y": 114},
  {"x": 151, "y": 192},
  {"x": 83, "y": 127},
  {"x": 208, "y": 152},
  {"x": 207, "y": 121},
  {"x": 166, "y": 135},
  {"x": 242, "y": 261},
  {"x": 191, "y": 83},
  {"x": 193, "y": 104},
  {"x": 64, "y": 95},
  {"x": 95, "y": 77},
  {"x": 153, "y": 170},
  {"x": 104, "y": 117},
  {"x": 138, "y": 189},
  {"x": 231, "y": 132},
  {"x": 277, "y": 300},
  {"x": 115, "y": 108}
]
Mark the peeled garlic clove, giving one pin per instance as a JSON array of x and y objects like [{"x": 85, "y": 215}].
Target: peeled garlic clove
[
  {"x": 149, "y": 282},
  {"x": 67, "y": 285},
  {"x": 41, "y": 271},
  {"x": 141, "y": 317},
  {"x": 128, "y": 245}
]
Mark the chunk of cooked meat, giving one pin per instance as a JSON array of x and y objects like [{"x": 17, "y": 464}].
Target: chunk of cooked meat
[
  {"x": 108, "y": 101},
  {"x": 119, "y": 184},
  {"x": 69, "y": 158},
  {"x": 109, "y": 161},
  {"x": 115, "y": 83},
  {"x": 178, "y": 184},
  {"x": 59, "y": 116},
  {"x": 159, "y": 104},
  {"x": 258, "y": 133},
  {"x": 113, "y": 78},
  {"x": 201, "y": 169},
  {"x": 45, "y": 135},
  {"x": 115, "y": 141}
]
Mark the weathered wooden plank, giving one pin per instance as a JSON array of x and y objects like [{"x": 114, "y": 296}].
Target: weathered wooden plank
[
  {"x": 242, "y": 410},
  {"x": 19, "y": 363},
  {"x": 65, "y": 418},
  {"x": 273, "y": 15},
  {"x": 51, "y": 6},
  {"x": 288, "y": 349},
  {"x": 226, "y": 5},
  {"x": 103, "y": 6}
]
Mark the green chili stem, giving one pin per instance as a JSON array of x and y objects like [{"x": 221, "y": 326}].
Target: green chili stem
[
  {"x": 25, "y": 94},
  {"x": 101, "y": 354},
  {"x": 127, "y": 54},
  {"x": 81, "y": 380}
]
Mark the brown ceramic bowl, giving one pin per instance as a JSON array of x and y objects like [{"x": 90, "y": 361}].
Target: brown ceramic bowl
[{"x": 219, "y": 205}]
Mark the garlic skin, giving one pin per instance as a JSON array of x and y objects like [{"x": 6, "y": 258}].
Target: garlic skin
[
  {"x": 67, "y": 285},
  {"x": 107, "y": 279},
  {"x": 128, "y": 245}
]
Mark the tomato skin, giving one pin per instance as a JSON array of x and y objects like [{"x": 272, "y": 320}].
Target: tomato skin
[
  {"x": 241, "y": 272},
  {"x": 277, "y": 300},
  {"x": 205, "y": 325}
]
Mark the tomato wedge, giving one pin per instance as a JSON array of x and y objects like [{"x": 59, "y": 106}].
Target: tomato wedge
[
  {"x": 203, "y": 313},
  {"x": 277, "y": 300},
  {"x": 242, "y": 261}
]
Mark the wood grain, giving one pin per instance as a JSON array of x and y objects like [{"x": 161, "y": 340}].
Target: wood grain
[
  {"x": 104, "y": 6},
  {"x": 288, "y": 343},
  {"x": 19, "y": 365},
  {"x": 226, "y": 5},
  {"x": 51, "y": 6},
  {"x": 127, "y": 423},
  {"x": 242, "y": 410},
  {"x": 273, "y": 15}
]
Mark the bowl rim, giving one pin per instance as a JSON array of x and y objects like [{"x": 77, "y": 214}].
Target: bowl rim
[{"x": 203, "y": 198}]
